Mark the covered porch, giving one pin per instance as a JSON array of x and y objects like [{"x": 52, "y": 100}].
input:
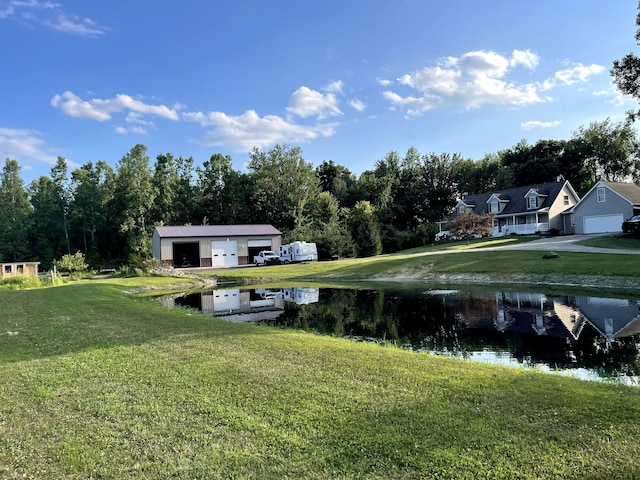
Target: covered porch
[{"x": 528, "y": 224}]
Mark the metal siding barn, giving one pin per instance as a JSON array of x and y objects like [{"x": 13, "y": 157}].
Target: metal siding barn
[{"x": 212, "y": 245}]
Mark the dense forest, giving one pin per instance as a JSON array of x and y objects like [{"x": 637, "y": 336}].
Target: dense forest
[{"x": 109, "y": 213}]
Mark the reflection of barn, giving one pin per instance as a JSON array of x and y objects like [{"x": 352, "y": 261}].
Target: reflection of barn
[
  {"x": 16, "y": 269},
  {"x": 212, "y": 245}
]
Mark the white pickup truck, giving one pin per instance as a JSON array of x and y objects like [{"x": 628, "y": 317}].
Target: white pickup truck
[{"x": 266, "y": 257}]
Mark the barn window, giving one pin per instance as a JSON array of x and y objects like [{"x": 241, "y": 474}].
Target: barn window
[
  {"x": 7, "y": 269},
  {"x": 601, "y": 195}
]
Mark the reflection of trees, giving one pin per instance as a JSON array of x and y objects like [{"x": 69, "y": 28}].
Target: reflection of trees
[{"x": 458, "y": 325}]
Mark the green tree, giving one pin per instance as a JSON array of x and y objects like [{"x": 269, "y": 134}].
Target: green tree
[
  {"x": 15, "y": 214},
  {"x": 328, "y": 228},
  {"x": 164, "y": 183},
  {"x": 62, "y": 189},
  {"x": 222, "y": 191},
  {"x": 337, "y": 180},
  {"x": 133, "y": 202},
  {"x": 184, "y": 200},
  {"x": 365, "y": 230},
  {"x": 284, "y": 184},
  {"x": 626, "y": 74},
  {"x": 47, "y": 233},
  {"x": 73, "y": 264},
  {"x": 607, "y": 150},
  {"x": 90, "y": 218}
]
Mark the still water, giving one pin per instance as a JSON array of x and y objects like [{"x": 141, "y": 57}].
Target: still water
[{"x": 588, "y": 337}]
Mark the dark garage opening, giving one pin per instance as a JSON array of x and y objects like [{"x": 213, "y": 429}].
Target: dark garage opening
[
  {"x": 186, "y": 254},
  {"x": 253, "y": 251}
]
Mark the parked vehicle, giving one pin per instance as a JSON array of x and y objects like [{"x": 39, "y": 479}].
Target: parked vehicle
[
  {"x": 267, "y": 257},
  {"x": 298, "y": 252},
  {"x": 632, "y": 225}
]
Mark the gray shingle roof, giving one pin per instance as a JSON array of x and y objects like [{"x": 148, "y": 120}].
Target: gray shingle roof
[
  {"x": 216, "y": 230},
  {"x": 630, "y": 191},
  {"x": 515, "y": 198}
]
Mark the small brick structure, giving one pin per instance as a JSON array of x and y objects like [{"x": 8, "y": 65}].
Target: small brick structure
[{"x": 16, "y": 269}]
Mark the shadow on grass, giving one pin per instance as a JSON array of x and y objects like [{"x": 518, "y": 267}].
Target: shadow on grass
[{"x": 57, "y": 321}]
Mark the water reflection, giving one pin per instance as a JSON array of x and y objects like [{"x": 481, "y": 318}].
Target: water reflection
[{"x": 595, "y": 337}]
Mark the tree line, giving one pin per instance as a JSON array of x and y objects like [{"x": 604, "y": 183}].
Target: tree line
[{"x": 109, "y": 213}]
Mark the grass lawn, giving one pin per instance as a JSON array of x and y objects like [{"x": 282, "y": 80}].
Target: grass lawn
[
  {"x": 456, "y": 258},
  {"x": 96, "y": 383},
  {"x": 620, "y": 242}
]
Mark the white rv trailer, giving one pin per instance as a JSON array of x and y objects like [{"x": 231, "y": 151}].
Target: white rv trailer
[{"x": 298, "y": 252}]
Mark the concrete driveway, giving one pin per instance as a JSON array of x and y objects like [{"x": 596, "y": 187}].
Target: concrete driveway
[{"x": 567, "y": 243}]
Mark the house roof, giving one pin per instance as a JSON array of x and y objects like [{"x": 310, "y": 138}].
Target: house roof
[
  {"x": 630, "y": 191},
  {"x": 216, "y": 230},
  {"x": 514, "y": 198}
]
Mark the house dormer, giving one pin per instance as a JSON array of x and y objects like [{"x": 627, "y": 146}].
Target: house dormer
[
  {"x": 496, "y": 203},
  {"x": 534, "y": 199},
  {"x": 462, "y": 207}
]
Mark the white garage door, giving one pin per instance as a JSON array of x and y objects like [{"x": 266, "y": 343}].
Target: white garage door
[
  {"x": 603, "y": 223},
  {"x": 224, "y": 253}
]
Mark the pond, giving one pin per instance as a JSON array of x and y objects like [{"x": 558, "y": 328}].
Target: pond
[{"x": 591, "y": 338}]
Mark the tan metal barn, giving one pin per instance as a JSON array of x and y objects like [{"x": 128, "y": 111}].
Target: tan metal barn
[{"x": 212, "y": 245}]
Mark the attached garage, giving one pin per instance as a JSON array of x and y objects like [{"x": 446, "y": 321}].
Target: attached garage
[
  {"x": 212, "y": 245},
  {"x": 603, "y": 223},
  {"x": 605, "y": 207}
]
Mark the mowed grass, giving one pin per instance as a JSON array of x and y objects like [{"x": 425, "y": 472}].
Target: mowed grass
[
  {"x": 618, "y": 242},
  {"x": 426, "y": 262},
  {"x": 95, "y": 383}
]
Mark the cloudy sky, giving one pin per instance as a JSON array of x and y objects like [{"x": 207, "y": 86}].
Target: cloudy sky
[{"x": 346, "y": 80}]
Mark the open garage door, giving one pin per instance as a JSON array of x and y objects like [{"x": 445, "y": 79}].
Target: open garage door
[
  {"x": 224, "y": 253},
  {"x": 257, "y": 245},
  {"x": 603, "y": 223}
]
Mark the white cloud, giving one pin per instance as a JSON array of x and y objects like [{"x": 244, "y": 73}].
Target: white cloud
[
  {"x": 569, "y": 76},
  {"x": 334, "y": 87},
  {"x": 525, "y": 57},
  {"x": 480, "y": 78},
  {"x": 101, "y": 110},
  {"x": 130, "y": 131},
  {"x": 384, "y": 82},
  {"x": 243, "y": 132},
  {"x": 538, "y": 124},
  {"x": 51, "y": 16},
  {"x": 472, "y": 80},
  {"x": 305, "y": 102},
  {"x": 357, "y": 105},
  {"x": 25, "y": 146}
]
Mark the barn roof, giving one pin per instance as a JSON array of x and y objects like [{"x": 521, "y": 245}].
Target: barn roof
[{"x": 216, "y": 230}]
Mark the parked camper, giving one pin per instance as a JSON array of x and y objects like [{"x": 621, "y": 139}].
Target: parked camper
[{"x": 298, "y": 252}]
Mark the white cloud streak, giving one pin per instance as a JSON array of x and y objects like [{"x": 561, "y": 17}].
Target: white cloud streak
[
  {"x": 243, "y": 132},
  {"x": 24, "y": 145},
  {"x": 102, "y": 110},
  {"x": 51, "y": 16},
  {"x": 538, "y": 124}
]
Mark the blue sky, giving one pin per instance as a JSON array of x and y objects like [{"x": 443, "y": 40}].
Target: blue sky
[{"x": 346, "y": 80}]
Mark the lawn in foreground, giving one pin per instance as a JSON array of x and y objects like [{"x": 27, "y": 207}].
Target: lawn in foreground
[{"x": 95, "y": 383}]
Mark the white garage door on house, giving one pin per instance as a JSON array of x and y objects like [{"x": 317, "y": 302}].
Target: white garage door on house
[
  {"x": 603, "y": 223},
  {"x": 224, "y": 253}
]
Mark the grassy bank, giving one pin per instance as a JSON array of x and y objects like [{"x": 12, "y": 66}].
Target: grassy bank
[
  {"x": 96, "y": 383},
  {"x": 469, "y": 263}
]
